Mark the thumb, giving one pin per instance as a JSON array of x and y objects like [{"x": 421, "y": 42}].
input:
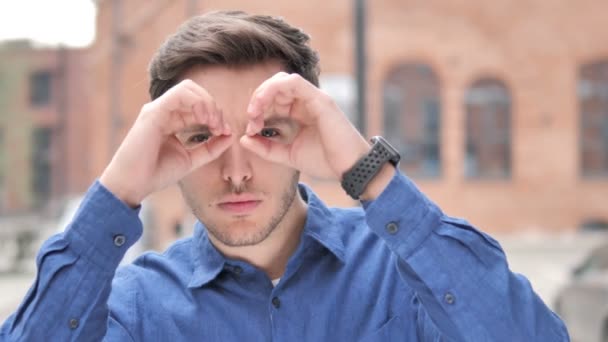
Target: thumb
[{"x": 269, "y": 150}]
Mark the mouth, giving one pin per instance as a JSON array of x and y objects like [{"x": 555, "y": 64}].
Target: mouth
[{"x": 239, "y": 207}]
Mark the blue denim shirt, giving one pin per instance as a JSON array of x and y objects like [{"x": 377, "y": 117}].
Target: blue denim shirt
[{"x": 397, "y": 269}]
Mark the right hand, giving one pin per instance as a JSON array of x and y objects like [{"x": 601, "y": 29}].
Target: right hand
[{"x": 151, "y": 157}]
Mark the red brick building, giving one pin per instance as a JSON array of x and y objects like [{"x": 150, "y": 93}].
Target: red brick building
[
  {"x": 500, "y": 108},
  {"x": 42, "y": 149}
]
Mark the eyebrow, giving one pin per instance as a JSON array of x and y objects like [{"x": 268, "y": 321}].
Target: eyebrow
[
  {"x": 278, "y": 120},
  {"x": 195, "y": 128}
]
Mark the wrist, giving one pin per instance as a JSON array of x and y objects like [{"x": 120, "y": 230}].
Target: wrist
[
  {"x": 371, "y": 174},
  {"x": 119, "y": 191},
  {"x": 377, "y": 185}
]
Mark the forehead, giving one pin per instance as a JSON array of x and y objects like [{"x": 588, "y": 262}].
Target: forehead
[{"x": 232, "y": 87}]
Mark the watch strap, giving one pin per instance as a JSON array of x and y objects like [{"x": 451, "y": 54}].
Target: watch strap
[{"x": 355, "y": 180}]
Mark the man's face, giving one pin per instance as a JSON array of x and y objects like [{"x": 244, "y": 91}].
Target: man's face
[{"x": 239, "y": 196}]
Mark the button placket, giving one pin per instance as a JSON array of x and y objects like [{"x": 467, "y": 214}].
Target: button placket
[
  {"x": 276, "y": 302},
  {"x": 238, "y": 270}
]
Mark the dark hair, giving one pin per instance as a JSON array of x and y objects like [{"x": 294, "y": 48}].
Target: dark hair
[{"x": 232, "y": 38}]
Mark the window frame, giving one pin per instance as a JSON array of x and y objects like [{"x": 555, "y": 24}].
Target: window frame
[{"x": 483, "y": 93}]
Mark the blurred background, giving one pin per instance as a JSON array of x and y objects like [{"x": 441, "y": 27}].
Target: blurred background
[{"x": 499, "y": 108}]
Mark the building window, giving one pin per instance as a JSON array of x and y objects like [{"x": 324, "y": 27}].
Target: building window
[
  {"x": 40, "y": 88},
  {"x": 412, "y": 118},
  {"x": 488, "y": 130},
  {"x": 3, "y": 164},
  {"x": 593, "y": 105},
  {"x": 41, "y": 164}
]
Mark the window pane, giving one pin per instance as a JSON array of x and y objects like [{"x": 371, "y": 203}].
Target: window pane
[
  {"x": 593, "y": 103},
  {"x": 488, "y": 128},
  {"x": 412, "y": 118},
  {"x": 41, "y": 164},
  {"x": 40, "y": 88}
]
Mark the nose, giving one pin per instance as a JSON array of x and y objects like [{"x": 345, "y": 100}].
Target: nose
[{"x": 236, "y": 167}]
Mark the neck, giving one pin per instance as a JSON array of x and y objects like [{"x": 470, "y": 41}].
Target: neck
[{"x": 272, "y": 254}]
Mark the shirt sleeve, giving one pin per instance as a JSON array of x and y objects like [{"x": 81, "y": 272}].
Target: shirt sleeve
[
  {"x": 464, "y": 288},
  {"x": 68, "y": 300}
]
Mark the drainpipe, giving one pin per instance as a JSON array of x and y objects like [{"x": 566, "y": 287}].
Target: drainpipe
[{"x": 360, "y": 65}]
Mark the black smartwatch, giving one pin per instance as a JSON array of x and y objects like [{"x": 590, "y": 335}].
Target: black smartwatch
[{"x": 355, "y": 180}]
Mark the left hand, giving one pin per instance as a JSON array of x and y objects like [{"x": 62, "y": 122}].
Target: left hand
[{"x": 325, "y": 145}]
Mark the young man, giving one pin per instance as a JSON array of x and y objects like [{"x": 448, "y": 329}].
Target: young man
[{"x": 236, "y": 116}]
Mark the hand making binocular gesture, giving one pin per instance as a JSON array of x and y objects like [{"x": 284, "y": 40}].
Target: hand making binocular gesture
[{"x": 320, "y": 141}]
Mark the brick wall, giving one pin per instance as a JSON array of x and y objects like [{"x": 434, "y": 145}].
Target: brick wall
[{"x": 535, "y": 48}]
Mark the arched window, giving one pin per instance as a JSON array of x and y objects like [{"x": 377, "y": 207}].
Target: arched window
[
  {"x": 412, "y": 120},
  {"x": 488, "y": 130},
  {"x": 593, "y": 104}
]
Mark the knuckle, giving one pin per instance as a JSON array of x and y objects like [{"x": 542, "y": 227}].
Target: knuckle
[
  {"x": 187, "y": 82},
  {"x": 294, "y": 77},
  {"x": 147, "y": 108},
  {"x": 326, "y": 100},
  {"x": 208, "y": 99}
]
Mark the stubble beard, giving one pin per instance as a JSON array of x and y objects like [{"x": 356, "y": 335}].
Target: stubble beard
[{"x": 223, "y": 234}]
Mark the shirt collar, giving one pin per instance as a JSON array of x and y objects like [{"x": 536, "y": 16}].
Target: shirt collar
[
  {"x": 208, "y": 261},
  {"x": 321, "y": 224},
  {"x": 320, "y": 227}
]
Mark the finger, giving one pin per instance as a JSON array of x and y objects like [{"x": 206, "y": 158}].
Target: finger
[
  {"x": 258, "y": 106},
  {"x": 258, "y": 101},
  {"x": 189, "y": 96},
  {"x": 179, "y": 97},
  {"x": 178, "y": 121},
  {"x": 197, "y": 89},
  {"x": 269, "y": 150},
  {"x": 205, "y": 153},
  {"x": 277, "y": 95},
  {"x": 227, "y": 129},
  {"x": 209, "y": 105},
  {"x": 282, "y": 104},
  {"x": 215, "y": 121},
  {"x": 289, "y": 86},
  {"x": 222, "y": 125},
  {"x": 254, "y": 125},
  {"x": 200, "y": 113},
  {"x": 205, "y": 109}
]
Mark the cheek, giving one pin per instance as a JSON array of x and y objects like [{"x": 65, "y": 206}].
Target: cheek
[
  {"x": 265, "y": 171},
  {"x": 192, "y": 181},
  {"x": 197, "y": 185}
]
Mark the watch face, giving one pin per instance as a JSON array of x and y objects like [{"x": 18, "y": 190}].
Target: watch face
[{"x": 394, "y": 154}]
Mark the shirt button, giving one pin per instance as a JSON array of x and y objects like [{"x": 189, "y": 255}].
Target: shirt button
[
  {"x": 73, "y": 323},
  {"x": 238, "y": 270},
  {"x": 449, "y": 298},
  {"x": 392, "y": 228},
  {"x": 119, "y": 240},
  {"x": 276, "y": 302}
]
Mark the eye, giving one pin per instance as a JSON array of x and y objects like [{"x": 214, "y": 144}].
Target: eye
[
  {"x": 198, "y": 138},
  {"x": 269, "y": 132}
]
